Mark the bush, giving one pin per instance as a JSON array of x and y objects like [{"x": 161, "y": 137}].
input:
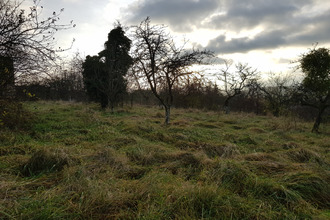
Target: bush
[{"x": 14, "y": 116}]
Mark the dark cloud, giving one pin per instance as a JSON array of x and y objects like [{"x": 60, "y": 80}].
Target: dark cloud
[
  {"x": 265, "y": 40},
  {"x": 304, "y": 35},
  {"x": 284, "y": 22},
  {"x": 313, "y": 29},
  {"x": 287, "y": 25},
  {"x": 180, "y": 15},
  {"x": 239, "y": 15}
]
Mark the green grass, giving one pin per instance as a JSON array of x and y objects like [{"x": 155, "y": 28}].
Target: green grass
[{"x": 80, "y": 162}]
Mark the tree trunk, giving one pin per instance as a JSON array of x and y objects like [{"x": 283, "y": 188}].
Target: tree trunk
[
  {"x": 132, "y": 98},
  {"x": 226, "y": 105},
  {"x": 318, "y": 119},
  {"x": 276, "y": 112},
  {"x": 167, "y": 114},
  {"x": 111, "y": 105},
  {"x": 104, "y": 100}
]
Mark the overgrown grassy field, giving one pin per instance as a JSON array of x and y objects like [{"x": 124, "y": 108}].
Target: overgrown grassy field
[{"x": 79, "y": 162}]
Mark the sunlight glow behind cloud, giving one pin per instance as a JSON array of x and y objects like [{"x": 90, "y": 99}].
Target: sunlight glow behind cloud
[{"x": 263, "y": 33}]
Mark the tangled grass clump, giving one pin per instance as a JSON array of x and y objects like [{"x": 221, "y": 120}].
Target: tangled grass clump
[{"x": 44, "y": 161}]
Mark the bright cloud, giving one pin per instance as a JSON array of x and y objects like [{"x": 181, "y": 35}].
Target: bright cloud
[{"x": 264, "y": 33}]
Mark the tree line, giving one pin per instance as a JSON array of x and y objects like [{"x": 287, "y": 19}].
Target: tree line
[{"x": 148, "y": 68}]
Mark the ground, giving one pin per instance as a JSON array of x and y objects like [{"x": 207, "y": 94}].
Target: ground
[{"x": 77, "y": 161}]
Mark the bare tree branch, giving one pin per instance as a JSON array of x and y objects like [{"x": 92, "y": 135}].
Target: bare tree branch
[
  {"x": 161, "y": 63},
  {"x": 28, "y": 39}
]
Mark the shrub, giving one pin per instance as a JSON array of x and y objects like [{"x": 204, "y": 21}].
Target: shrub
[{"x": 14, "y": 116}]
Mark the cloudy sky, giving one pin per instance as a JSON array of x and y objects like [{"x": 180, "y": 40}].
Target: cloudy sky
[{"x": 267, "y": 34}]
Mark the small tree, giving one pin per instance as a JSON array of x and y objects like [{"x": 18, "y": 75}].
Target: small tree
[
  {"x": 104, "y": 74},
  {"x": 235, "y": 82},
  {"x": 27, "y": 49},
  {"x": 94, "y": 75},
  {"x": 159, "y": 62},
  {"x": 315, "y": 88},
  {"x": 28, "y": 39},
  {"x": 74, "y": 68},
  {"x": 66, "y": 82},
  {"x": 277, "y": 91}
]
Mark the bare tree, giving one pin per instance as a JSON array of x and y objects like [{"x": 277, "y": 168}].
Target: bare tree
[
  {"x": 66, "y": 81},
  {"x": 28, "y": 39},
  {"x": 161, "y": 63},
  {"x": 75, "y": 72},
  {"x": 278, "y": 92},
  {"x": 235, "y": 81}
]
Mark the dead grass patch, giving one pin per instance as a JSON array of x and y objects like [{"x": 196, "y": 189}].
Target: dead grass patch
[
  {"x": 206, "y": 125},
  {"x": 184, "y": 164},
  {"x": 290, "y": 145},
  {"x": 257, "y": 130},
  {"x": 270, "y": 167},
  {"x": 18, "y": 149},
  {"x": 159, "y": 115},
  {"x": 180, "y": 123},
  {"x": 258, "y": 156},
  {"x": 223, "y": 151},
  {"x": 45, "y": 161},
  {"x": 312, "y": 187},
  {"x": 246, "y": 140},
  {"x": 118, "y": 143},
  {"x": 302, "y": 155},
  {"x": 109, "y": 160}
]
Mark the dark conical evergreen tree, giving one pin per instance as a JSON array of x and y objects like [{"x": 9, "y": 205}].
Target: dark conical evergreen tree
[
  {"x": 104, "y": 74},
  {"x": 117, "y": 62}
]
